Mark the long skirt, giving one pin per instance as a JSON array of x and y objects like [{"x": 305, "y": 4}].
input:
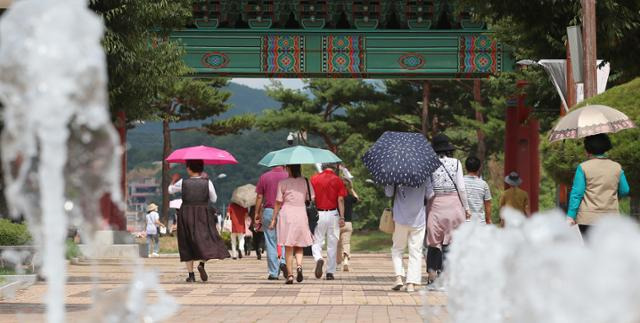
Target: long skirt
[
  {"x": 198, "y": 238},
  {"x": 445, "y": 215}
]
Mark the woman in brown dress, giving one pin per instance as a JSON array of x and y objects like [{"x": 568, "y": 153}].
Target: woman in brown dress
[{"x": 198, "y": 238}]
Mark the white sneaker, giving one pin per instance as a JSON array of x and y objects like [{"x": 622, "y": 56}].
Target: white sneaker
[
  {"x": 410, "y": 288},
  {"x": 398, "y": 284},
  {"x": 155, "y": 255}
]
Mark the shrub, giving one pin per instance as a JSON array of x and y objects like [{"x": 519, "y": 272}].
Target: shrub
[
  {"x": 13, "y": 234},
  {"x": 72, "y": 250},
  {"x": 560, "y": 159},
  {"x": 226, "y": 237}
]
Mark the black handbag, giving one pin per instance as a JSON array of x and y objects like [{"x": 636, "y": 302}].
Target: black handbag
[{"x": 312, "y": 210}]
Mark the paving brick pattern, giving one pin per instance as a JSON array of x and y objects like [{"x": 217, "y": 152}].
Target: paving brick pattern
[{"x": 238, "y": 291}]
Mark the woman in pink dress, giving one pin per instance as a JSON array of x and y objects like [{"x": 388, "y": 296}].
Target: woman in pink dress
[{"x": 291, "y": 214}]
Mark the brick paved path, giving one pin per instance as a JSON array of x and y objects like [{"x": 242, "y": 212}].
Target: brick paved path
[{"x": 238, "y": 291}]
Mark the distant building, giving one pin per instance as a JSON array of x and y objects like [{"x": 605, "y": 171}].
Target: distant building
[{"x": 143, "y": 187}]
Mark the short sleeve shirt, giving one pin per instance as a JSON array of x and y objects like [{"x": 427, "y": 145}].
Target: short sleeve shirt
[
  {"x": 477, "y": 193},
  {"x": 268, "y": 185},
  {"x": 515, "y": 198},
  {"x": 328, "y": 187},
  {"x": 152, "y": 218}
]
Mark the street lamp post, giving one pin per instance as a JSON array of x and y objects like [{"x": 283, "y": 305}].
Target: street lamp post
[{"x": 221, "y": 176}]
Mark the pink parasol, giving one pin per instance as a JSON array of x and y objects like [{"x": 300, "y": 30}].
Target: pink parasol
[{"x": 210, "y": 155}]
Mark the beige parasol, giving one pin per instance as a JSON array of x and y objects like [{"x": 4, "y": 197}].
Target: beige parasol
[
  {"x": 590, "y": 120},
  {"x": 245, "y": 196}
]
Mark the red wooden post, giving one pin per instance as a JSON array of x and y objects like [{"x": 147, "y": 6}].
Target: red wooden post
[
  {"x": 111, "y": 213},
  {"x": 522, "y": 147}
]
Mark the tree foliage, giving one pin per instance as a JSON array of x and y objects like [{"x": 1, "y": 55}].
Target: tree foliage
[
  {"x": 537, "y": 29},
  {"x": 137, "y": 62},
  {"x": 325, "y": 111},
  {"x": 184, "y": 99},
  {"x": 560, "y": 159}
]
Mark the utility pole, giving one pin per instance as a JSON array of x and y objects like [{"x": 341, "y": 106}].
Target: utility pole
[{"x": 590, "y": 48}]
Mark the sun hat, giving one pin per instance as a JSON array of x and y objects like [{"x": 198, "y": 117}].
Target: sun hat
[
  {"x": 152, "y": 207},
  {"x": 441, "y": 144},
  {"x": 513, "y": 179}
]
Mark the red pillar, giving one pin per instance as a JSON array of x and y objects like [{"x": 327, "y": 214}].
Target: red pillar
[
  {"x": 111, "y": 213},
  {"x": 522, "y": 140}
]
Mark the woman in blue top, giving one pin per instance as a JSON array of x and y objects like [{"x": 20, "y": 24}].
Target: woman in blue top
[{"x": 597, "y": 185}]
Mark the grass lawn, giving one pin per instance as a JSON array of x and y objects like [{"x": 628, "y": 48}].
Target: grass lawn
[
  {"x": 168, "y": 244},
  {"x": 361, "y": 241},
  {"x": 370, "y": 241},
  {"x": 7, "y": 271}
]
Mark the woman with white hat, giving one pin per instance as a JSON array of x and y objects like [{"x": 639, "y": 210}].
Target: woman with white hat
[{"x": 153, "y": 221}]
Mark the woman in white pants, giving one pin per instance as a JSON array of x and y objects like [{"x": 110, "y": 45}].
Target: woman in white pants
[
  {"x": 237, "y": 214},
  {"x": 409, "y": 216}
]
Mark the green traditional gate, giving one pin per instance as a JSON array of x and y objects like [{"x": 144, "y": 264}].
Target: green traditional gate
[{"x": 407, "y": 39}]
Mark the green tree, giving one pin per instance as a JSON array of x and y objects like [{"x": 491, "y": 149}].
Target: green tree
[
  {"x": 561, "y": 158},
  {"x": 324, "y": 111},
  {"x": 136, "y": 63},
  {"x": 185, "y": 99},
  {"x": 372, "y": 199},
  {"x": 537, "y": 29}
]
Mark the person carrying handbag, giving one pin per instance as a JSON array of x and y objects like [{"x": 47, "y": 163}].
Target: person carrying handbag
[
  {"x": 290, "y": 216},
  {"x": 448, "y": 208}
]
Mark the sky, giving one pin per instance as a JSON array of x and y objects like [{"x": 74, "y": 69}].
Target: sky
[{"x": 260, "y": 83}]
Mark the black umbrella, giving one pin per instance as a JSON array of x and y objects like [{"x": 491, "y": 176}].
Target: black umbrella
[{"x": 401, "y": 158}]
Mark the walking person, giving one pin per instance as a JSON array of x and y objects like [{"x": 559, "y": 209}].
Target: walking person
[
  {"x": 514, "y": 197},
  {"x": 598, "y": 185},
  {"x": 449, "y": 207},
  {"x": 291, "y": 218},
  {"x": 153, "y": 222},
  {"x": 257, "y": 236},
  {"x": 409, "y": 212},
  {"x": 267, "y": 190},
  {"x": 330, "y": 194},
  {"x": 237, "y": 214},
  {"x": 198, "y": 238},
  {"x": 478, "y": 193},
  {"x": 344, "y": 243}
]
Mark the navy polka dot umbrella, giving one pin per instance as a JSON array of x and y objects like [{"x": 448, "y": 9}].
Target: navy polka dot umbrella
[{"x": 401, "y": 158}]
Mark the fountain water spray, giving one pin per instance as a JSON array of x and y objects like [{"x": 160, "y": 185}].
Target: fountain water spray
[
  {"x": 59, "y": 147},
  {"x": 539, "y": 270}
]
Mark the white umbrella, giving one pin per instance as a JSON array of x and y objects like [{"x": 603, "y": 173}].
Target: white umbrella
[
  {"x": 245, "y": 196},
  {"x": 175, "y": 204},
  {"x": 590, "y": 120}
]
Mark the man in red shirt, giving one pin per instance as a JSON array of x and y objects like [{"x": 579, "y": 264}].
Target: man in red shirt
[{"x": 330, "y": 193}]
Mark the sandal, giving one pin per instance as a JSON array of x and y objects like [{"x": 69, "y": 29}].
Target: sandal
[
  {"x": 299, "y": 277},
  {"x": 289, "y": 280}
]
